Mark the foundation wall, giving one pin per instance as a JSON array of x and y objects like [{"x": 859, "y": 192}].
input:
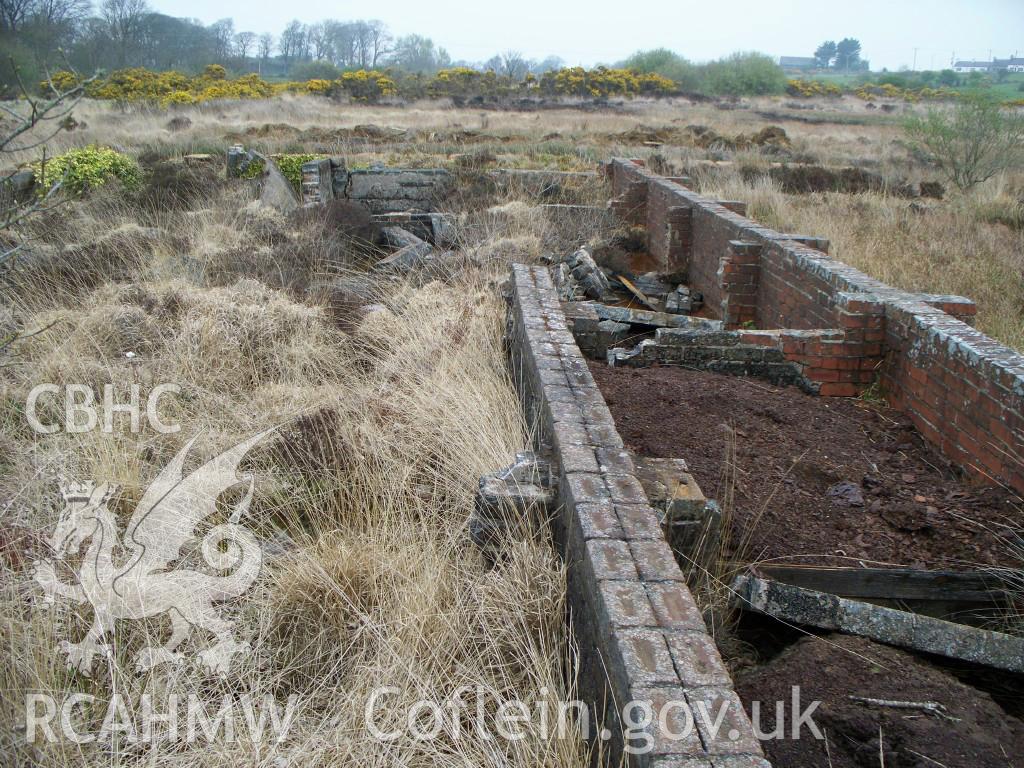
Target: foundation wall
[
  {"x": 963, "y": 390},
  {"x": 641, "y": 637}
]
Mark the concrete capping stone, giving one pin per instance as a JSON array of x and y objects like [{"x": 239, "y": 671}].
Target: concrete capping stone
[
  {"x": 637, "y": 625},
  {"x": 688, "y": 748}
]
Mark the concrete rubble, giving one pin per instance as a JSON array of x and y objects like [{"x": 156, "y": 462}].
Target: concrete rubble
[
  {"x": 692, "y": 523},
  {"x": 509, "y": 502},
  {"x": 580, "y": 273}
]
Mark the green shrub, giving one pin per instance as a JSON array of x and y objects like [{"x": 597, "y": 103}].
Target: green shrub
[
  {"x": 972, "y": 141},
  {"x": 81, "y": 169},
  {"x": 291, "y": 167},
  {"x": 744, "y": 74}
]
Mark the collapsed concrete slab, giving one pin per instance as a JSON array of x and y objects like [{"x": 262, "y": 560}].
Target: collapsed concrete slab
[
  {"x": 276, "y": 191},
  {"x": 886, "y": 625}
]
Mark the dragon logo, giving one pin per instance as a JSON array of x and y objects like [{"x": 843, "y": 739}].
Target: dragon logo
[{"x": 138, "y": 581}]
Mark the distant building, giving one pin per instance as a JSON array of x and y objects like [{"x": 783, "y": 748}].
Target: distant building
[
  {"x": 972, "y": 66},
  {"x": 798, "y": 62},
  {"x": 1012, "y": 64}
]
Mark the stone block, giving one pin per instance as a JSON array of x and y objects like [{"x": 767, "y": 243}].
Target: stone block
[
  {"x": 674, "y": 606},
  {"x": 655, "y": 561},
  {"x": 696, "y": 658},
  {"x": 734, "y": 734}
]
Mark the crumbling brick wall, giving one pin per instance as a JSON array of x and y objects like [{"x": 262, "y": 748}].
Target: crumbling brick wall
[{"x": 962, "y": 389}]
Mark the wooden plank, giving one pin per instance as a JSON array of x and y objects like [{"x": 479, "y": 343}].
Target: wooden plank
[
  {"x": 889, "y": 583},
  {"x": 640, "y": 295}
]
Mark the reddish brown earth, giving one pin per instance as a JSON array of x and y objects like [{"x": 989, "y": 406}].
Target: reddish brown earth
[
  {"x": 970, "y": 730},
  {"x": 792, "y": 449}
]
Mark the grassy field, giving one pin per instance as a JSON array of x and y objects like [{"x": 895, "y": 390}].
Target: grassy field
[{"x": 391, "y": 396}]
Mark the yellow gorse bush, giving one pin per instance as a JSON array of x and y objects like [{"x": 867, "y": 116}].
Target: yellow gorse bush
[{"x": 167, "y": 88}]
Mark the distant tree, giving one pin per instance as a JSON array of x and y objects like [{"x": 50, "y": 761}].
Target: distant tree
[
  {"x": 847, "y": 54},
  {"x": 948, "y": 78},
  {"x": 51, "y": 25},
  {"x": 223, "y": 32},
  {"x": 13, "y": 13},
  {"x": 293, "y": 41},
  {"x": 415, "y": 53},
  {"x": 320, "y": 41},
  {"x": 662, "y": 61},
  {"x": 244, "y": 43},
  {"x": 514, "y": 65},
  {"x": 370, "y": 42},
  {"x": 548, "y": 64},
  {"x": 124, "y": 23},
  {"x": 972, "y": 141},
  {"x": 264, "y": 47},
  {"x": 826, "y": 53}
]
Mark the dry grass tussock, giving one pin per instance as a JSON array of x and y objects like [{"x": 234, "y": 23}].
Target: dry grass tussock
[{"x": 385, "y": 422}]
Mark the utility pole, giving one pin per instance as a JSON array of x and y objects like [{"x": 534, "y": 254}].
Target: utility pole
[{"x": 914, "y": 67}]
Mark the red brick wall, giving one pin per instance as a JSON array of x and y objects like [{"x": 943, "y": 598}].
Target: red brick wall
[{"x": 964, "y": 391}]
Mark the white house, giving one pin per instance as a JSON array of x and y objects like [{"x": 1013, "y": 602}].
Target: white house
[{"x": 972, "y": 66}]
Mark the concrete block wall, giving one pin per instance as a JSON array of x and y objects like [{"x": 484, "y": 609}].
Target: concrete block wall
[
  {"x": 640, "y": 634},
  {"x": 962, "y": 389}
]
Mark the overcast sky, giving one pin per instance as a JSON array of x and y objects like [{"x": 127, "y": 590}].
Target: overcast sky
[{"x": 602, "y": 31}]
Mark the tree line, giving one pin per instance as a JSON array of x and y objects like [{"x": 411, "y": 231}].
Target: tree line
[{"x": 38, "y": 37}]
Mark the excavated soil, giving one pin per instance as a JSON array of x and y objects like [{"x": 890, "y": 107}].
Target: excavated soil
[
  {"x": 817, "y": 480},
  {"x": 967, "y": 728}
]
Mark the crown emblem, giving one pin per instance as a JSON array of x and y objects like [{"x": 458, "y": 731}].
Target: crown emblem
[{"x": 78, "y": 491}]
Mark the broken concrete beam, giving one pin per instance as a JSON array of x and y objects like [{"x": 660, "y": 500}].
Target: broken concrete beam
[
  {"x": 317, "y": 186},
  {"x": 611, "y": 334},
  {"x": 408, "y": 258},
  {"x": 237, "y": 161},
  {"x": 512, "y": 500},
  {"x": 442, "y": 230},
  {"x": 653, "y": 319},
  {"x": 437, "y": 228},
  {"x": 397, "y": 237},
  {"x": 885, "y": 625},
  {"x": 16, "y": 185},
  {"x": 339, "y": 177},
  {"x": 682, "y": 301}
]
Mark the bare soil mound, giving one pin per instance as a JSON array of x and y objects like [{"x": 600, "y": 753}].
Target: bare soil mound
[{"x": 970, "y": 730}]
